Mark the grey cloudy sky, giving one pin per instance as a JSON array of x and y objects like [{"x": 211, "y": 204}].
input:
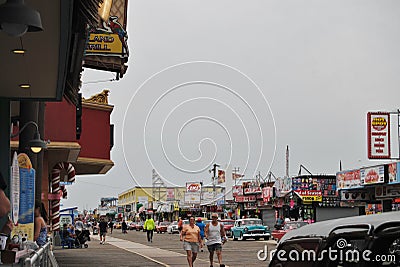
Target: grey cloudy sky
[{"x": 297, "y": 73}]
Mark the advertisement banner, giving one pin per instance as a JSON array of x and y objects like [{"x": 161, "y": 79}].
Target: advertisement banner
[
  {"x": 193, "y": 187},
  {"x": 348, "y": 179},
  {"x": 192, "y": 197},
  {"x": 394, "y": 174},
  {"x": 26, "y": 203},
  {"x": 170, "y": 194},
  {"x": 283, "y": 185},
  {"x": 373, "y": 175},
  {"x": 237, "y": 190},
  {"x": 378, "y": 127},
  {"x": 252, "y": 190},
  {"x": 221, "y": 177}
]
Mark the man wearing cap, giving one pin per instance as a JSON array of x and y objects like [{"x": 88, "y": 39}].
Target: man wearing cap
[
  {"x": 201, "y": 225},
  {"x": 215, "y": 237}
]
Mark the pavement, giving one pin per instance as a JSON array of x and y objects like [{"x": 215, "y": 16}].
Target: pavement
[{"x": 119, "y": 252}]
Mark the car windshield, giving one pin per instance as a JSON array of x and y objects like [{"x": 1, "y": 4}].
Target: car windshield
[
  {"x": 228, "y": 223},
  {"x": 251, "y": 222},
  {"x": 164, "y": 223}
]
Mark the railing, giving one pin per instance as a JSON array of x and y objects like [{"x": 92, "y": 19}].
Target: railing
[{"x": 42, "y": 257}]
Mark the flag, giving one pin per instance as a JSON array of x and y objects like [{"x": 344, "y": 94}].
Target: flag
[{"x": 221, "y": 176}]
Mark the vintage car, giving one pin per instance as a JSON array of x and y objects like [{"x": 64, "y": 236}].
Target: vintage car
[
  {"x": 228, "y": 224},
  {"x": 173, "y": 228},
  {"x": 288, "y": 226},
  {"x": 139, "y": 226},
  {"x": 162, "y": 227},
  {"x": 250, "y": 228},
  {"x": 369, "y": 240}
]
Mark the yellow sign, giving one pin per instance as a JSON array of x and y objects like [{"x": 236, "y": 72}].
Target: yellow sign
[
  {"x": 101, "y": 43},
  {"x": 311, "y": 198}
]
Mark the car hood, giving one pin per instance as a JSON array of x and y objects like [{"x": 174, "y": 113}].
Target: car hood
[{"x": 254, "y": 227}]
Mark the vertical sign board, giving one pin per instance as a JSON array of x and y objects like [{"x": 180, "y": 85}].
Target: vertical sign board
[
  {"x": 378, "y": 135},
  {"x": 26, "y": 204}
]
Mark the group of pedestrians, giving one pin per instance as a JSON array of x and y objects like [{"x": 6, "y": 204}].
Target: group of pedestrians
[{"x": 193, "y": 235}]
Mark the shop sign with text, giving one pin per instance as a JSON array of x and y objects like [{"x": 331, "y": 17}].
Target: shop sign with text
[
  {"x": 378, "y": 135},
  {"x": 193, "y": 187},
  {"x": 245, "y": 199},
  {"x": 310, "y": 195},
  {"x": 348, "y": 179}
]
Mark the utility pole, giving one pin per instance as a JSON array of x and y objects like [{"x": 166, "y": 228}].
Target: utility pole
[
  {"x": 214, "y": 170},
  {"x": 235, "y": 171},
  {"x": 258, "y": 178}
]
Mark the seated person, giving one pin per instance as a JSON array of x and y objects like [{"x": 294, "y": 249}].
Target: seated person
[{"x": 66, "y": 236}]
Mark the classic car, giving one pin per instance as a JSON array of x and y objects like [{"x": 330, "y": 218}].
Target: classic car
[
  {"x": 228, "y": 224},
  {"x": 369, "y": 240},
  {"x": 288, "y": 226},
  {"x": 162, "y": 227},
  {"x": 173, "y": 228},
  {"x": 250, "y": 228},
  {"x": 139, "y": 226}
]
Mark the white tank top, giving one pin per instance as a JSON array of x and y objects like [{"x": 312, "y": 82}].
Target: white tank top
[{"x": 214, "y": 234}]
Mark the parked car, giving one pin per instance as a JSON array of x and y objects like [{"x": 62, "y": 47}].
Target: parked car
[
  {"x": 139, "y": 226},
  {"x": 162, "y": 227},
  {"x": 369, "y": 240},
  {"x": 117, "y": 225},
  {"x": 173, "y": 228},
  {"x": 250, "y": 228},
  {"x": 228, "y": 224},
  {"x": 288, "y": 226},
  {"x": 132, "y": 226}
]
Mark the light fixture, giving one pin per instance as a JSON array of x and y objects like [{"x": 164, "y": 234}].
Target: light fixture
[
  {"x": 18, "y": 51},
  {"x": 16, "y": 18},
  {"x": 36, "y": 144},
  {"x": 25, "y": 85}
]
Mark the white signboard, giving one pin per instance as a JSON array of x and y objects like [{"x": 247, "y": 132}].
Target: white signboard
[
  {"x": 378, "y": 135},
  {"x": 192, "y": 197},
  {"x": 207, "y": 197},
  {"x": 372, "y": 175}
]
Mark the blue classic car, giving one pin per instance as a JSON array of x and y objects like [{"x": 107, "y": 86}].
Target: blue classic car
[{"x": 250, "y": 228}]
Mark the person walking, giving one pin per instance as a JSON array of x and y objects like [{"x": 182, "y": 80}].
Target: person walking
[
  {"x": 149, "y": 226},
  {"x": 215, "y": 238},
  {"x": 202, "y": 226},
  {"x": 111, "y": 226},
  {"x": 103, "y": 230},
  {"x": 124, "y": 227},
  {"x": 180, "y": 224},
  {"x": 190, "y": 235}
]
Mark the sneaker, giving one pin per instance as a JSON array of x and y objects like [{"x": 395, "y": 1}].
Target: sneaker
[{"x": 222, "y": 265}]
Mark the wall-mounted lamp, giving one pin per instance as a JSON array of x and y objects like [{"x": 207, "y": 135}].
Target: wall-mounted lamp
[
  {"x": 16, "y": 18},
  {"x": 36, "y": 144}
]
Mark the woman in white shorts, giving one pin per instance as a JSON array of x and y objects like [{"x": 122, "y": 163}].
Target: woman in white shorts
[{"x": 190, "y": 235}]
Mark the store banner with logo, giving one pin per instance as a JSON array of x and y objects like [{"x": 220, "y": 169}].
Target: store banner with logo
[
  {"x": 348, "y": 179},
  {"x": 193, "y": 187},
  {"x": 267, "y": 193},
  {"x": 373, "y": 175},
  {"x": 378, "y": 127}
]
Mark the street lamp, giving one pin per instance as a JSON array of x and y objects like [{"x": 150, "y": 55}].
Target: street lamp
[
  {"x": 36, "y": 144},
  {"x": 16, "y": 18}
]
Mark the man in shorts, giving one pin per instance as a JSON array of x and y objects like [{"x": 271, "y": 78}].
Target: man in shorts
[
  {"x": 103, "y": 230},
  {"x": 215, "y": 236}
]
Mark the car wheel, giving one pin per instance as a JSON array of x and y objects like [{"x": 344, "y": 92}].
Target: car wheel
[
  {"x": 257, "y": 238},
  {"x": 234, "y": 238},
  {"x": 241, "y": 238},
  {"x": 266, "y": 238}
]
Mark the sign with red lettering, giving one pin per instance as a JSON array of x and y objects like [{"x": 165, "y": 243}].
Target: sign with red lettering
[
  {"x": 245, "y": 199},
  {"x": 193, "y": 187},
  {"x": 378, "y": 135}
]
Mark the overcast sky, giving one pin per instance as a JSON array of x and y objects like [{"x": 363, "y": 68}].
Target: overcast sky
[{"x": 235, "y": 82}]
